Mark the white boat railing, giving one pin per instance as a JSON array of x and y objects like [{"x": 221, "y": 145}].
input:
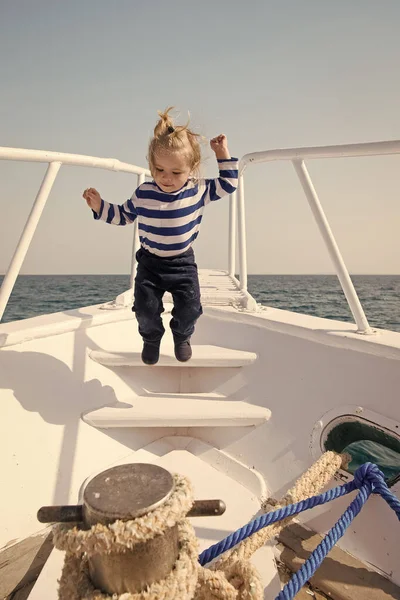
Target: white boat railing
[
  {"x": 297, "y": 157},
  {"x": 236, "y": 207},
  {"x": 55, "y": 160}
]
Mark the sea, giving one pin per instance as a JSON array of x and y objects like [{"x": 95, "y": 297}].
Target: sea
[{"x": 319, "y": 295}]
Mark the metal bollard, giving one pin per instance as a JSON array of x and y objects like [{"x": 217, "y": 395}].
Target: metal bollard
[{"x": 123, "y": 493}]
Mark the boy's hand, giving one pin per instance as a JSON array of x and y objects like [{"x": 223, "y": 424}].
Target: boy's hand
[
  {"x": 93, "y": 199},
  {"x": 219, "y": 145}
]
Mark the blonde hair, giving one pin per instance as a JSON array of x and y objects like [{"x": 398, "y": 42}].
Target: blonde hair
[{"x": 171, "y": 138}]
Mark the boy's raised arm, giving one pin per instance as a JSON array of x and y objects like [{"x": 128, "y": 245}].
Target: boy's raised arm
[{"x": 114, "y": 214}]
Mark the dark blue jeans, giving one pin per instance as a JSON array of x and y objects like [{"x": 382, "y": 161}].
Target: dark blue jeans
[{"x": 157, "y": 275}]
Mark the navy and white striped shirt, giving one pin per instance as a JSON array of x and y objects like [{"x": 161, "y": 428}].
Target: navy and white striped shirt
[{"x": 170, "y": 222}]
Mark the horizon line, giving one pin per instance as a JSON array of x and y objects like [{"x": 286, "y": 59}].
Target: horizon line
[{"x": 249, "y": 274}]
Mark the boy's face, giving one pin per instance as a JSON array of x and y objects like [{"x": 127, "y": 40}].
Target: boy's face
[{"x": 171, "y": 170}]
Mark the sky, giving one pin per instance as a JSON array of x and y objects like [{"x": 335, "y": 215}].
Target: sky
[{"x": 88, "y": 76}]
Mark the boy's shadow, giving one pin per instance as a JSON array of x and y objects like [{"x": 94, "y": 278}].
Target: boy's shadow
[{"x": 46, "y": 385}]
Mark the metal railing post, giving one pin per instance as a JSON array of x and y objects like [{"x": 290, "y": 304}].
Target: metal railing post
[
  {"x": 27, "y": 234},
  {"x": 136, "y": 243},
  {"x": 334, "y": 252},
  {"x": 232, "y": 235},
  {"x": 242, "y": 235}
]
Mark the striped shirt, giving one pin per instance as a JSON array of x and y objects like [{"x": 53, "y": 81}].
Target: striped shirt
[{"x": 169, "y": 223}]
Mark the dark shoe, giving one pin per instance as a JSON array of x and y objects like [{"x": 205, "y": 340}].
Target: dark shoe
[
  {"x": 183, "y": 351},
  {"x": 151, "y": 352}
]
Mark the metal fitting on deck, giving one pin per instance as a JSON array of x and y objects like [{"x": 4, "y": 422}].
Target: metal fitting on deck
[{"x": 133, "y": 550}]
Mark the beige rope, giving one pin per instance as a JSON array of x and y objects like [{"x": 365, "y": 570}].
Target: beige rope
[
  {"x": 231, "y": 577},
  {"x": 121, "y": 535},
  {"x": 180, "y": 583},
  {"x": 310, "y": 483},
  {"x": 240, "y": 581}
]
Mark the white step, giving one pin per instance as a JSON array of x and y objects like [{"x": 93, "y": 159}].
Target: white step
[
  {"x": 203, "y": 356},
  {"x": 179, "y": 410}
]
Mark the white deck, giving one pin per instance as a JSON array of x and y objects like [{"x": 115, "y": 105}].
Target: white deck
[
  {"x": 203, "y": 356},
  {"x": 217, "y": 287},
  {"x": 305, "y": 368}
]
